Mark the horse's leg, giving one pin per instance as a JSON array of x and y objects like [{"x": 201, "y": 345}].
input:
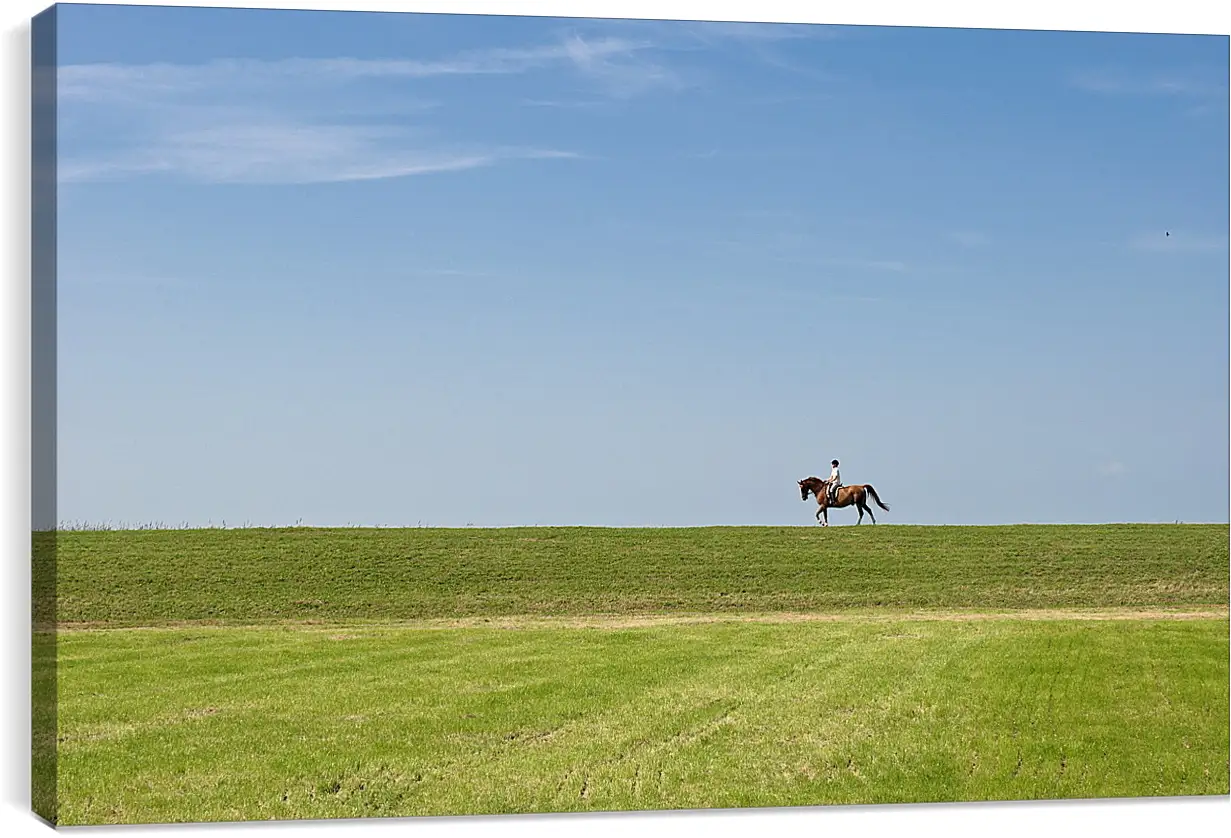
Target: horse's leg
[{"x": 864, "y": 506}]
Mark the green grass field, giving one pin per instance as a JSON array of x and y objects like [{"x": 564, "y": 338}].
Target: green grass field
[
  {"x": 255, "y": 576},
  {"x": 254, "y": 674}
]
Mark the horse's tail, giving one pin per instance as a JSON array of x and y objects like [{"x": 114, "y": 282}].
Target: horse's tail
[{"x": 876, "y": 497}]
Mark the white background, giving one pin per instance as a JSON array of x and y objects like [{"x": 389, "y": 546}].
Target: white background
[{"x": 1144, "y": 817}]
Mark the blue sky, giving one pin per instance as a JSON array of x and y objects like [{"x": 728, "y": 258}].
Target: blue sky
[{"x": 393, "y": 269}]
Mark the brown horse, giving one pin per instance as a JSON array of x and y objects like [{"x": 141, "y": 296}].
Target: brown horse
[{"x": 855, "y": 494}]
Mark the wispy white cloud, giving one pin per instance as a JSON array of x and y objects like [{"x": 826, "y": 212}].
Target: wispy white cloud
[
  {"x": 106, "y": 82},
  {"x": 621, "y": 72},
  {"x": 302, "y": 120},
  {"x": 767, "y": 43},
  {"x": 712, "y": 31},
  {"x": 1184, "y": 83},
  {"x": 296, "y": 120},
  {"x": 308, "y": 120},
  {"x": 284, "y": 154},
  {"x": 693, "y": 34},
  {"x": 573, "y": 104}
]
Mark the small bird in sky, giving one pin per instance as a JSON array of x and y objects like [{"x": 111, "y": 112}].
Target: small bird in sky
[{"x": 1168, "y": 233}]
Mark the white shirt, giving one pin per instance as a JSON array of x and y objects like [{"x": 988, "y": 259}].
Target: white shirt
[{"x": 834, "y": 477}]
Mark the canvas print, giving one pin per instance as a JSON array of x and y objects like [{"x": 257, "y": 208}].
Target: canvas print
[{"x": 442, "y": 414}]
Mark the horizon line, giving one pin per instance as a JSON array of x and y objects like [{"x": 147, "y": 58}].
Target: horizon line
[{"x": 157, "y": 527}]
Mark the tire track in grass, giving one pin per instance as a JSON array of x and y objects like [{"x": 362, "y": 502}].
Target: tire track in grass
[{"x": 654, "y": 749}]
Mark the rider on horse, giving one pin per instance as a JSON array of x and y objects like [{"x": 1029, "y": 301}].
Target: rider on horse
[
  {"x": 826, "y": 492},
  {"x": 834, "y": 481}
]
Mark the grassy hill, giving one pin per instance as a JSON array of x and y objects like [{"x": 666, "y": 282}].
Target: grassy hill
[{"x": 270, "y": 575}]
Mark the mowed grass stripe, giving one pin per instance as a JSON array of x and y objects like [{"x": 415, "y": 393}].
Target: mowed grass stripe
[
  {"x": 203, "y": 724},
  {"x": 253, "y": 576},
  {"x": 602, "y": 621}
]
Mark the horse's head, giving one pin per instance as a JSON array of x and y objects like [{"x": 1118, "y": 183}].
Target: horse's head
[{"x": 806, "y": 486}]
